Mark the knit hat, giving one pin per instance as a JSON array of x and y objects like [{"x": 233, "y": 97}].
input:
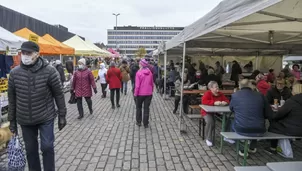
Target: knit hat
[
  {"x": 58, "y": 62},
  {"x": 143, "y": 63},
  {"x": 83, "y": 61},
  {"x": 112, "y": 63}
]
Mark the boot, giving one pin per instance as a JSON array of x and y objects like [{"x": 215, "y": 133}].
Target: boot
[{"x": 81, "y": 116}]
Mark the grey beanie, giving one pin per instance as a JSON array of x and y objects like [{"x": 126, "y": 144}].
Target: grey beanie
[{"x": 112, "y": 63}]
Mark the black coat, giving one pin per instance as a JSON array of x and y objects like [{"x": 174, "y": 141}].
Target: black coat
[
  {"x": 69, "y": 66},
  {"x": 236, "y": 70},
  {"x": 288, "y": 119},
  {"x": 60, "y": 69},
  {"x": 31, "y": 93},
  {"x": 213, "y": 77},
  {"x": 274, "y": 93}
]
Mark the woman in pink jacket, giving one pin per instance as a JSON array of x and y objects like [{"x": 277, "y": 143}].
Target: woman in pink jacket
[{"x": 143, "y": 92}]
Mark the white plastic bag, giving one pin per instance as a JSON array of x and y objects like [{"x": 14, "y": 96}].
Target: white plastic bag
[
  {"x": 285, "y": 149},
  {"x": 16, "y": 155}
]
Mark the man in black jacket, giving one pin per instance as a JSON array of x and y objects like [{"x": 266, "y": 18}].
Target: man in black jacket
[
  {"x": 60, "y": 69},
  {"x": 32, "y": 88}
]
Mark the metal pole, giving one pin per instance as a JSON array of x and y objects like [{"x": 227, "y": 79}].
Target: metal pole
[
  {"x": 182, "y": 87},
  {"x": 165, "y": 74},
  {"x": 116, "y": 32}
]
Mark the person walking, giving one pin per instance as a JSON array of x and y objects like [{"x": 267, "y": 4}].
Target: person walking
[
  {"x": 102, "y": 78},
  {"x": 32, "y": 88},
  {"x": 60, "y": 69},
  {"x": 83, "y": 80},
  {"x": 113, "y": 78},
  {"x": 125, "y": 76},
  {"x": 143, "y": 92},
  {"x": 134, "y": 68}
]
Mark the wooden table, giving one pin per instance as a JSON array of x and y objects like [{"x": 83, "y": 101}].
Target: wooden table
[
  {"x": 283, "y": 166},
  {"x": 225, "y": 92},
  {"x": 220, "y": 110}
]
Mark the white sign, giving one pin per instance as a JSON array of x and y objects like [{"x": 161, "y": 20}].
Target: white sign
[{"x": 12, "y": 51}]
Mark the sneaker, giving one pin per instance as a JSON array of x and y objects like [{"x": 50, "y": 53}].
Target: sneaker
[
  {"x": 146, "y": 126},
  {"x": 229, "y": 141},
  {"x": 209, "y": 143},
  {"x": 241, "y": 153},
  {"x": 80, "y": 117},
  {"x": 252, "y": 150},
  {"x": 138, "y": 124}
]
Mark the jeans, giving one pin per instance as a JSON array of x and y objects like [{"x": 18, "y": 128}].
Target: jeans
[
  {"x": 80, "y": 105},
  {"x": 146, "y": 100},
  {"x": 104, "y": 86},
  {"x": 124, "y": 87},
  {"x": 112, "y": 92},
  {"x": 30, "y": 137},
  {"x": 133, "y": 84}
]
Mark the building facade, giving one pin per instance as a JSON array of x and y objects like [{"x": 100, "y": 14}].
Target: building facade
[{"x": 129, "y": 39}]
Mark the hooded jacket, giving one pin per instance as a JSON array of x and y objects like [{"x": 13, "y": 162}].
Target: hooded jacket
[
  {"x": 288, "y": 119},
  {"x": 144, "y": 82},
  {"x": 102, "y": 74},
  {"x": 31, "y": 93}
]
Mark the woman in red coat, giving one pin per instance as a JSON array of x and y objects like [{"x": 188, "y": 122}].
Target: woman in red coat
[
  {"x": 262, "y": 85},
  {"x": 114, "y": 78},
  {"x": 212, "y": 98},
  {"x": 83, "y": 80}
]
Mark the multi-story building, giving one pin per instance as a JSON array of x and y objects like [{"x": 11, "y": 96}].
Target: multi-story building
[{"x": 128, "y": 39}]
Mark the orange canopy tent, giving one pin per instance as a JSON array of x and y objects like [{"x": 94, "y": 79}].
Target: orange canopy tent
[
  {"x": 46, "y": 47},
  {"x": 65, "y": 50}
]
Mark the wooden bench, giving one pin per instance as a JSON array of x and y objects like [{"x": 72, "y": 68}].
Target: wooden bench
[
  {"x": 201, "y": 122},
  {"x": 252, "y": 168},
  {"x": 236, "y": 137},
  {"x": 192, "y": 107}
]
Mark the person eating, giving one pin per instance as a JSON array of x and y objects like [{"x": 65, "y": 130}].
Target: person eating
[{"x": 278, "y": 92}]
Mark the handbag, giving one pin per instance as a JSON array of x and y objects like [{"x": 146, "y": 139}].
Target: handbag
[
  {"x": 284, "y": 148},
  {"x": 16, "y": 155},
  {"x": 73, "y": 99}
]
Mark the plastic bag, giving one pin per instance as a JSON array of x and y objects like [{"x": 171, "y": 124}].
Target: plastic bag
[
  {"x": 16, "y": 155},
  {"x": 285, "y": 149}
]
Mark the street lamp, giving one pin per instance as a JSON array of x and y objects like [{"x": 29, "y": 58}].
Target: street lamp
[{"x": 116, "y": 15}]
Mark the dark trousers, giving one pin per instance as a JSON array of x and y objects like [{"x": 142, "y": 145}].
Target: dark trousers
[
  {"x": 112, "y": 93},
  {"x": 185, "y": 104},
  {"x": 133, "y": 84},
  {"x": 104, "y": 86},
  {"x": 30, "y": 137},
  {"x": 80, "y": 105},
  {"x": 146, "y": 100}
]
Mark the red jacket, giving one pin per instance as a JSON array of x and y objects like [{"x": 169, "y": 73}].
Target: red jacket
[
  {"x": 209, "y": 99},
  {"x": 83, "y": 80},
  {"x": 263, "y": 87},
  {"x": 114, "y": 78}
]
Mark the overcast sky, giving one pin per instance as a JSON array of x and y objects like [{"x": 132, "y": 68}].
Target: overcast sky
[{"x": 92, "y": 18}]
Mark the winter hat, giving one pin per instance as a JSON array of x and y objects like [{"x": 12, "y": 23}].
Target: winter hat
[
  {"x": 112, "y": 63},
  {"x": 143, "y": 63},
  {"x": 83, "y": 61},
  {"x": 58, "y": 62}
]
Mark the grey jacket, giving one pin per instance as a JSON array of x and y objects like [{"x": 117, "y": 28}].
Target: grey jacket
[{"x": 31, "y": 93}]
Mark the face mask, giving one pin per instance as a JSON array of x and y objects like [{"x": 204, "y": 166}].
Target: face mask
[
  {"x": 26, "y": 59},
  {"x": 81, "y": 66}
]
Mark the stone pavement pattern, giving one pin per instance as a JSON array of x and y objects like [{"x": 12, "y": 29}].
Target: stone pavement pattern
[{"x": 109, "y": 140}]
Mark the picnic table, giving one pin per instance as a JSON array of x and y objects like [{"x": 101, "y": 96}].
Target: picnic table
[
  {"x": 282, "y": 166},
  {"x": 190, "y": 92},
  {"x": 220, "y": 110}
]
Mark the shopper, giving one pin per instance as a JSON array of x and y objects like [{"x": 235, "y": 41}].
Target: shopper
[
  {"x": 83, "y": 81},
  {"x": 113, "y": 78},
  {"x": 60, "y": 69},
  {"x": 143, "y": 92},
  {"x": 102, "y": 78},
  {"x": 32, "y": 88},
  {"x": 125, "y": 76}
]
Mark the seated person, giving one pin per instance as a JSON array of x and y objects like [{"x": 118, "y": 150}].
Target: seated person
[
  {"x": 212, "y": 97},
  {"x": 212, "y": 77},
  {"x": 250, "y": 110},
  {"x": 288, "y": 119},
  {"x": 262, "y": 85},
  {"x": 278, "y": 91}
]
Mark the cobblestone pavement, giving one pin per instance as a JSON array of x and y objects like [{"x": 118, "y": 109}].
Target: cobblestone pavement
[{"x": 109, "y": 140}]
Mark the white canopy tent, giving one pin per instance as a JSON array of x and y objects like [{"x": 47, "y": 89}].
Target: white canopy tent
[
  {"x": 104, "y": 53},
  {"x": 243, "y": 28},
  {"x": 8, "y": 39}
]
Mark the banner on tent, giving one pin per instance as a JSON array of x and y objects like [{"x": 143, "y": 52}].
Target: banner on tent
[
  {"x": 33, "y": 38},
  {"x": 12, "y": 51}
]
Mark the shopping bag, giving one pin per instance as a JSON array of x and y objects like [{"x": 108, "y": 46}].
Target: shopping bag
[
  {"x": 285, "y": 149},
  {"x": 73, "y": 99},
  {"x": 16, "y": 155}
]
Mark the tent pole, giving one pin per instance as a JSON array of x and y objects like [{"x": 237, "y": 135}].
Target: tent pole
[
  {"x": 182, "y": 87},
  {"x": 165, "y": 74},
  {"x": 61, "y": 58}
]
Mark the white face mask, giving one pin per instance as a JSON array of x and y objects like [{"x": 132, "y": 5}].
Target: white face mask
[
  {"x": 81, "y": 66},
  {"x": 26, "y": 59}
]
